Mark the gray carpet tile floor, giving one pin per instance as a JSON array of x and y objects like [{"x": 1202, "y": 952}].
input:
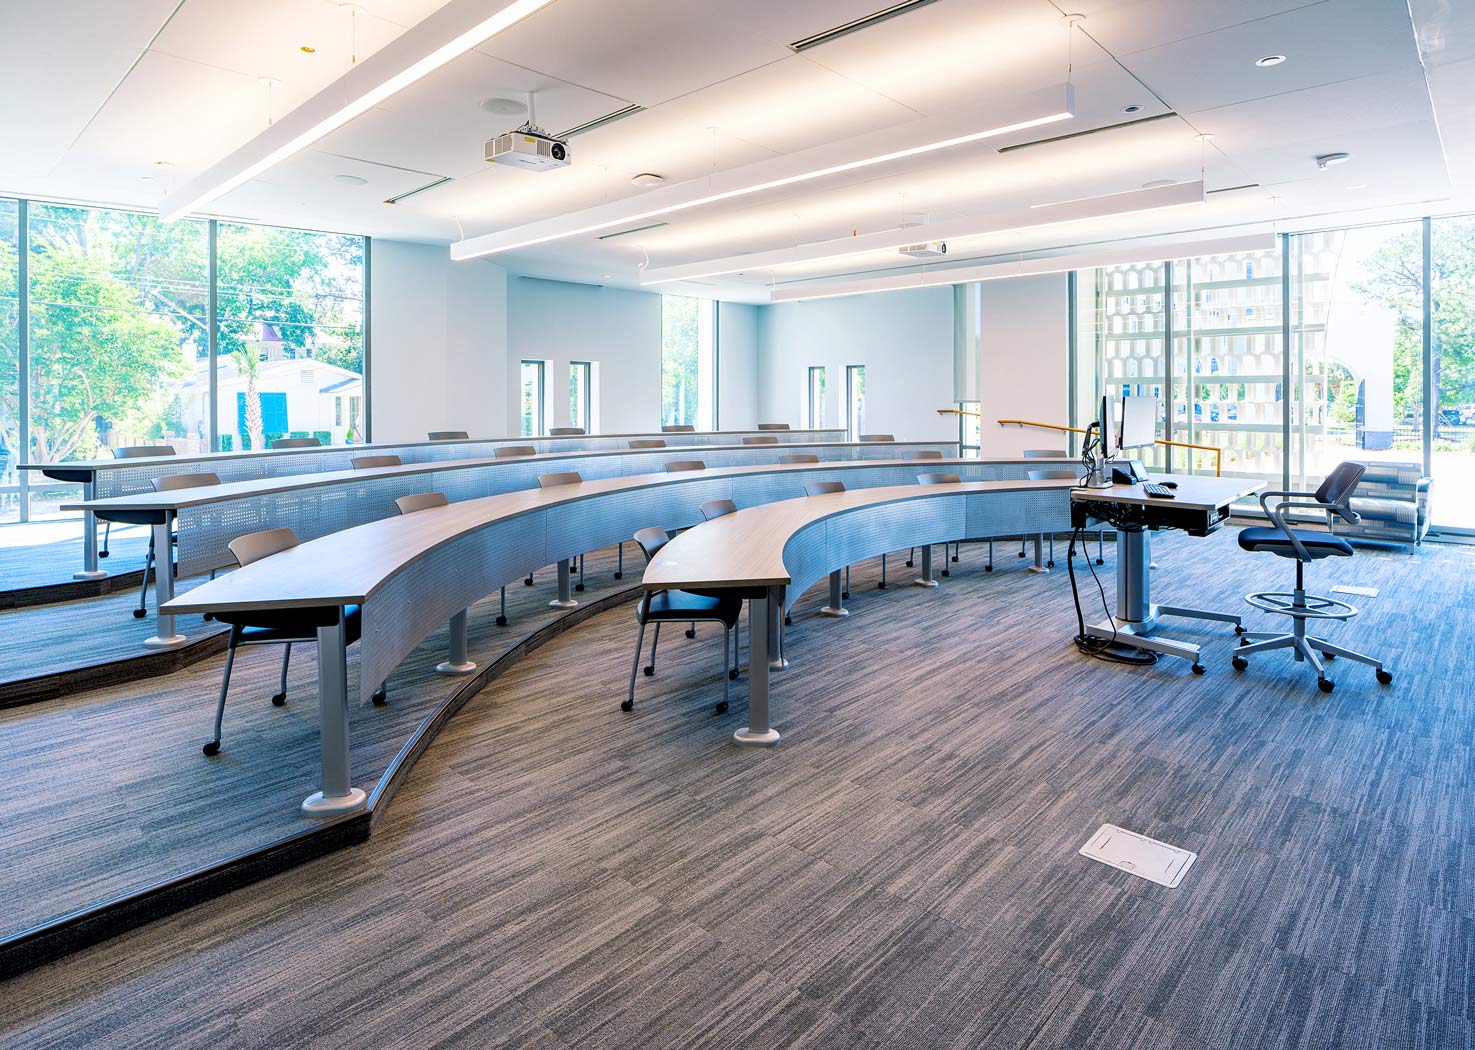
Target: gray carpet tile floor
[
  {"x": 54, "y": 559},
  {"x": 902, "y": 870}
]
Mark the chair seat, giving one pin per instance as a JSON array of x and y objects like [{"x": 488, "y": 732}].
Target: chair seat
[
  {"x": 291, "y": 625},
  {"x": 1317, "y": 544},
  {"x": 132, "y": 517},
  {"x": 683, "y": 605}
]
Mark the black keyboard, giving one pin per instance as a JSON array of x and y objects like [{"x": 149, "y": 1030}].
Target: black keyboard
[{"x": 1157, "y": 491}]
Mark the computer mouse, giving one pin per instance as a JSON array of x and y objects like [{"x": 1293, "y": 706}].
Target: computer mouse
[{"x": 1170, "y": 484}]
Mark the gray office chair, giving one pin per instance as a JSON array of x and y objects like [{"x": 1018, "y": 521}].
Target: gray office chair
[
  {"x": 275, "y": 626},
  {"x": 1100, "y": 528},
  {"x": 660, "y": 607},
  {"x": 549, "y": 481},
  {"x": 1304, "y": 546},
  {"x": 760, "y": 439},
  {"x": 922, "y": 453},
  {"x": 822, "y": 488},
  {"x": 566, "y": 431},
  {"x": 717, "y": 508},
  {"x": 131, "y": 452},
  {"x": 799, "y": 457},
  {"x": 877, "y": 438},
  {"x": 647, "y": 443},
  {"x": 447, "y": 435},
  {"x": 151, "y": 561},
  {"x": 296, "y": 443},
  {"x": 513, "y": 451},
  {"x": 675, "y": 466},
  {"x": 773, "y": 426},
  {"x": 370, "y": 462},
  {"x": 678, "y": 428}
]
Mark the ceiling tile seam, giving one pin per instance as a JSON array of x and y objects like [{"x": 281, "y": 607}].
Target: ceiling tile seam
[
  {"x": 114, "y": 89},
  {"x": 557, "y": 80},
  {"x": 1300, "y": 90},
  {"x": 864, "y": 87},
  {"x": 655, "y": 106},
  {"x": 1225, "y": 29}
]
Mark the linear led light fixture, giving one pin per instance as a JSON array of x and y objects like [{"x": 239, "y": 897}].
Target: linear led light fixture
[
  {"x": 999, "y": 222},
  {"x": 693, "y": 193},
  {"x": 857, "y": 24},
  {"x": 1022, "y": 267},
  {"x": 448, "y": 33}
]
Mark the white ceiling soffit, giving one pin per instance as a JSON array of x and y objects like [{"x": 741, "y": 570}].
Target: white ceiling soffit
[
  {"x": 1022, "y": 267},
  {"x": 872, "y": 150},
  {"x": 432, "y": 43},
  {"x": 999, "y": 222}
]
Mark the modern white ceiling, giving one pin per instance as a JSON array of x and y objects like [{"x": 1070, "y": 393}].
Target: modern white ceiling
[{"x": 100, "y": 92}]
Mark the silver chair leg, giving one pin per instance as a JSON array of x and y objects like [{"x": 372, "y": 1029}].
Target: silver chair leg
[
  {"x": 1320, "y": 645},
  {"x": 281, "y": 694},
  {"x": 655, "y": 641},
  {"x": 882, "y": 584},
  {"x": 143, "y": 590},
  {"x": 912, "y": 558},
  {"x": 107, "y": 535},
  {"x": 629, "y": 704},
  {"x": 502, "y": 616},
  {"x": 620, "y": 563},
  {"x": 213, "y": 747}
]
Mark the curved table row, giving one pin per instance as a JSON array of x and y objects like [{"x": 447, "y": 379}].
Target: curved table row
[
  {"x": 314, "y": 505},
  {"x": 411, "y": 574},
  {"x": 106, "y": 478}
]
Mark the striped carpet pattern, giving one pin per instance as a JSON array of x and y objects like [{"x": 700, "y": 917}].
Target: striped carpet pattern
[{"x": 902, "y": 870}]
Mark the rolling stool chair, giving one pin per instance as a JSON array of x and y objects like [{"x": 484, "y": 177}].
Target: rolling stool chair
[
  {"x": 549, "y": 481},
  {"x": 660, "y": 607},
  {"x": 447, "y": 435},
  {"x": 296, "y": 443},
  {"x": 131, "y": 452},
  {"x": 168, "y": 483},
  {"x": 275, "y": 626},
  {"x": 1305, "y": 546}
]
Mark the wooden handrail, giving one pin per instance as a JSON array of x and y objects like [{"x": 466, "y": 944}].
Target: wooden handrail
[{"x": 1218, "y": 452}]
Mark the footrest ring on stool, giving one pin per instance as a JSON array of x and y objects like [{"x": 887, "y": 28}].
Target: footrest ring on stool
[{"x": 1315, "y": 607}]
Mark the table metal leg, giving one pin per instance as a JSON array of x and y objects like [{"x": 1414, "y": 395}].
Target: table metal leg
[
  {"x": 1039, "y": 565},
  {"x": 565, "y": 599},
  {"x": 1136, "y": 615},
  {"x": 836, "y": 608},
  {"x": 926, "y": 579},
  {"x": 164, "y": 637},
  {"x": 89, "y": 570},
  {"x": 457, "y": 663},
  {"x": 758, "y": 732},
  {"x": 338, "y": 795},
  {"x": 775, "y": 631}
]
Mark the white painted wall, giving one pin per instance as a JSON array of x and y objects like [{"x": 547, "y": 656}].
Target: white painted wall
[
  {"x": 439, "y": 343},
  {"x": 905, "y": 340},
  {"x": 737, "y": 365},
  {"x": 1024, "y": 351}
]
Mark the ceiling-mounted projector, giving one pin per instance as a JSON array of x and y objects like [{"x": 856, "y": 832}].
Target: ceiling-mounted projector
[
  {"x": 924, "y": 250},
  {"x": 530, "y": 148}
]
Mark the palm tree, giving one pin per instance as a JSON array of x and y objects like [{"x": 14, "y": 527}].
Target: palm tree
[{"x": 248, "y": 364}]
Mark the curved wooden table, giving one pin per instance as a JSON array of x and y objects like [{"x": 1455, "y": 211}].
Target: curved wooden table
[{"x": 413, "y": 573}]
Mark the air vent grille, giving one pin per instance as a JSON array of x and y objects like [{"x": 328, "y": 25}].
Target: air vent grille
[{"x": 865, "y": 22}]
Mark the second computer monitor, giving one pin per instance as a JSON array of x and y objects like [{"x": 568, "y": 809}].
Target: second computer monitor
[{"x": 1139, "y": 422}]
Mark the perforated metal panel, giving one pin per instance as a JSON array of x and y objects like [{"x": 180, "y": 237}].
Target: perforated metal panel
[
  {"x": 1017, "y": 513},
  {"x": 805, "y": 560}
]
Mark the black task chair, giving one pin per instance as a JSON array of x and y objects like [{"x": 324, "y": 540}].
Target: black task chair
[
  {"x": 275, "y": 626},
  {"x": 660, "y": 607},
  {"x": 130, "y": 452},
  {"x": 296, "y": 443},
  {"x": 717, "y": 508},
  {"x": 1303, "y": 546},
  {"x": 447, "y": 435},
  {"x": 152, "y": 561}
]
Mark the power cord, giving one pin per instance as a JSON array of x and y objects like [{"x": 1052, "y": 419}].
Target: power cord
[{"x": 1107, "y": 649}]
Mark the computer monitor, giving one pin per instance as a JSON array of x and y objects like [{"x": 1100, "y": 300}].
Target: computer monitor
[
  {"x": 1108, "y": 427},
  {"x": 1139, "y": 422}
]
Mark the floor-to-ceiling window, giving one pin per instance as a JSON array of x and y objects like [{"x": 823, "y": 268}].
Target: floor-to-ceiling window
[
  {"x": 855, "y": 401},
  {"x": 581, "y": 395},
  {"x": 816, "y": 394},
  {"x": 531, "y": 396},
  {"x": 291, "y": 349},
  {"x": 11, "y": 443},
  {"x": 1452, "y": 378},
  {"x": 1121, "y": 314},
  {"x": 689, "y": 361}
]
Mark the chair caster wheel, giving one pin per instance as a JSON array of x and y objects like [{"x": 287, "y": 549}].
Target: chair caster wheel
[
  {"x": 788, "y": 620},
  {"x": 279, "y": 700},
  {"x": 732, "y": 675},
  {"x": 944, "y": 573},
  {"x": 988, "y": 568},
  {"x": 1326, "y": 685},
  {"x": 1385, "y": 676},
  {"x": 1240, "y": 663},
  {"x": 627, "y": 705},
  {"x": 501, "y": 621},
  {"x": 578, "y": 586},
  {"x": 207, "y": 616},
  {"x": 380, "y": 698},
  {"x": 1199, "y": 669},
  {"x": 139, "y": 614},
  {"x": 1239, "y": 628},
  {"x": 102, "y": 554},
  {"x": 910, "y": 564},
  {"x": 212, "y": 748},
  {"x": 619, "y": 575},
  {"x": 649, "y": 670},
  {"x": 528, "y": 582},
  {"x": 721, "y": 707},
  {"x": 1100, "y": 561},
  {"x": 1049, "y": 565},
  {"x": 955, "y": 557},
  {"x": 689, "y": 633},
  {"x": 881, "y": 586}
]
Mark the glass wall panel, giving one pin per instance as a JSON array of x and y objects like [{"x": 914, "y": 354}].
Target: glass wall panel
[
  {"x": 532, "y": 397},
  {"x": 816, "y": 397},
  {"x": 11, "y": 450},
  {"x": 580, "y": 395},
  {"x": 855, "y": 401},
  {"x": 1452, "y": 284},
  {"x": 117, "y": 336},
  {"x": 689, "y": 361},
  {"x": 291, "y": 353},
  {"x": 1121, "y": 320},
  {"x": 970, "y": 429}
]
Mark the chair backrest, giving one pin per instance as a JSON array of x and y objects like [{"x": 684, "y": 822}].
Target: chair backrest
[
  {"x": 1045, "y": 453},
  {"x": 678, "y": 428},
  {"x": 257, "y": 545},
  {"x": 142, "y": 451},
  {"x": 647, "y": 443},
  {"x": 420, "y": 501},
  {"x": 678, "y": 465},
  {"x": 773, "y": 426},
  {"x": 569, "y": 477},
  {"x": 184, "y": 481},
  {"x": 565, "y": 431},
  {"x": 651, "y": 540},
  {"x": 922, "y": 453},
  {"x": 877, "y": 437},
  {"x": 510, "y": 451},
  {"x": 716, "y": 508},
  {"x": 938, "y": 479},
  {"x": 1053, "y": 475},
  {"x": 760, "y": 439},
  {"x": 447, "y": 435},
  {"x": 296, "y": 443},
  {"x": 820, "y": 488},
  {"x": 799, "y": 457},
  {"x": 368, "y": 462},
  {"x": 1337, "y": 487}
]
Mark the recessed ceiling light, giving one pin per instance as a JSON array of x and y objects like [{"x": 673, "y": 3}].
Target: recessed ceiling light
[
  {"x": 1326, "y": 160},
  {"x": 1157, "y": 184},
  {"x": 150, "y": 178},
  {"x": 1270, "y": 60},
  {"x": 1359, "y": 186},
  {"x": 351, "y": 180},
  {"x": 648, "y": 178},
  {"x": 306, "y": 50},
  {"x": 1132, "y": 109},
  {"x": 606, "y": 276},
  {"x": 504, "y": 107}
]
